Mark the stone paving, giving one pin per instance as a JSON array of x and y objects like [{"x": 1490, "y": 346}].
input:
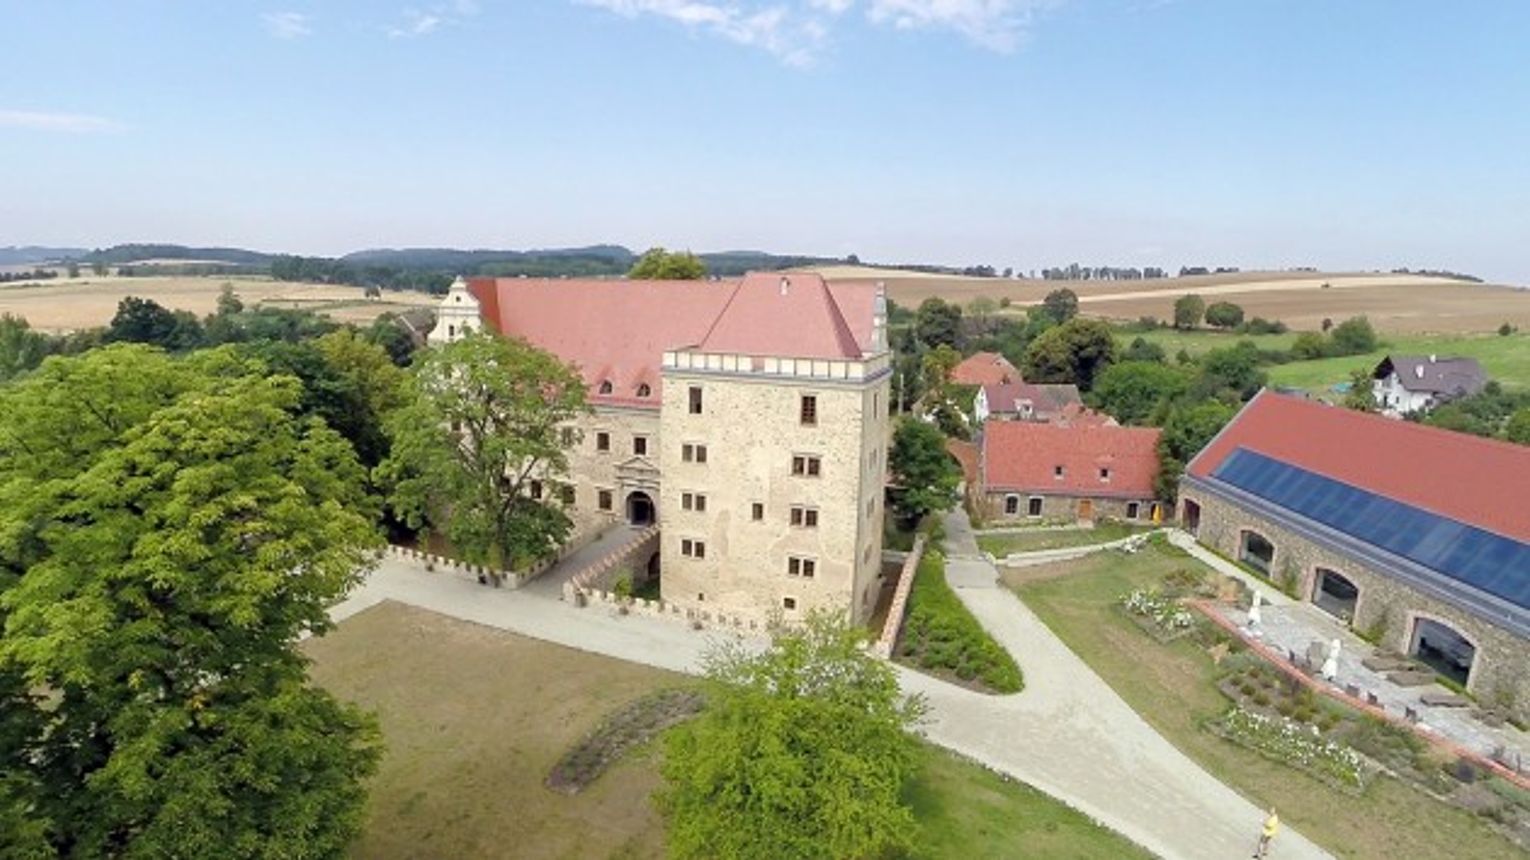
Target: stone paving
[{"x": 1294, "y": 626}]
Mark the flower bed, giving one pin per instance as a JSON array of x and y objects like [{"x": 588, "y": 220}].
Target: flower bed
[
  {"x": 633, "y": 724},
  {"x": 1161, "y": 616},
  {"x": 1296, "y": 744}
]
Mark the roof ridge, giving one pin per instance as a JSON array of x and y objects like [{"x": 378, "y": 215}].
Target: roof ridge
[
  {"x": 837, "y": 320},
  {"x": 722, "y": 312}
]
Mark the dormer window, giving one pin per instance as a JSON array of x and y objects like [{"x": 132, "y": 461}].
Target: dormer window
[
  {"x": 643, "y": 390},
  {"x": 605, "y": 386}
]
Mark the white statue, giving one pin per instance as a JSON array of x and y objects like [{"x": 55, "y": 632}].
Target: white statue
[
  {"x": 1331, "y": 665},
  {"x": 1254, "y": 618}
]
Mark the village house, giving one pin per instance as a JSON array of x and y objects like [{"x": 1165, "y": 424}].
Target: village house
[
  {"x": 1024, "y": 401},
  {"x": 1080, "y": 470},
  {"x": 748, "y": 418},
  {"x": 984, "y": 368},
  {"x": 1415, "y": 536},
  {"x": 1417, "y": 383}
]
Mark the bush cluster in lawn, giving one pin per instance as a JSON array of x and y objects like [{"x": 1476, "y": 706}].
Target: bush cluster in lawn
[{"x": 940, "y": 635}]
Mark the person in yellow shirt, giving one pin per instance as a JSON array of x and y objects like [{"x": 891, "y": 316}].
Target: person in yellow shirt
[{"x": 1267, "y": 835}]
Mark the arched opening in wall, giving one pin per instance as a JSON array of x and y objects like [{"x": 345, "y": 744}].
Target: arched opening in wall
[
  {"x": 1334, "y": 593},
  {"x": 1443, "y": 649},
  {"x": 1193, "y": 517},
  {"x": 640, "y": 508},
  {"x": 1256, "y": 551}
]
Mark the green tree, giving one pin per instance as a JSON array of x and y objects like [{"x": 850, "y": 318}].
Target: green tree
[
  {"x": 1142, "y": 349},
  {"x": 1309, "y": 345},
  {"x": 1361, "y": 395},
  {"x": 1224, "y": 315},
  {"x": 938, "y": 322},
  {"x": 926, "y": 475},
  {"x": 1188, "y": 310},
  {"x": 1230, "y": 373},
  {"x": 657, "y": 264},
  {"x": 1076, "y": 351},
  {"x": 73, "y": 269},
  {"x": 1061, "y": 305},
  {"x": 803, "y": 751},
  {"x": 228, "y": 301},
  {"x": 97, "y": 267},
  {"x": 1134, "y": 390},
  {"x": 1518, "y": 428},
  {"x": 389, "y": 332},
  {"x": 483, "y": 418},
  {"x": 370, "y": 385},
  {"x": 21, "y": 348},
  {"x": 1354, "y": 336},
  {"x": 1186, "y": 431},
  {"x": 168, "y": 531},
  {"x": 147, "y": 321}
]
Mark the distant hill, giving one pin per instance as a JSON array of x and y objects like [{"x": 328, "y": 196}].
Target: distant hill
[
  {"x": 133, "y": 253},
  {"x": 14, "y": 255}
]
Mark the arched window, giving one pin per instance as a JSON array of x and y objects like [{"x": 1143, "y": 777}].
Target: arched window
[
  {"x": 1335, "y": 593},
  {"x": 644, "y": 390},
  {"x": 1257, "y": 552},
  {"x": 605, "y": 386}
]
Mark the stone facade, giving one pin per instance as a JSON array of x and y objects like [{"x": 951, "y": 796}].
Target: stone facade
[
  {"x": 1385, "y": 604},
  {"x": 1058, "y": 507},
  {"x": 616, "y": 473},
  {"x": 756, "y": 549}
]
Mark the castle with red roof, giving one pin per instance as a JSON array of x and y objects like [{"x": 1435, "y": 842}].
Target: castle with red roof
[
  {"x": 747, "y": 417},
  {"x": 1414, "y": 535}
]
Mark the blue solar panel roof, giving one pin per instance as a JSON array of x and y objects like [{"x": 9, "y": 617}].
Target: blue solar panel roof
[{"x": 1491, "y": 563}]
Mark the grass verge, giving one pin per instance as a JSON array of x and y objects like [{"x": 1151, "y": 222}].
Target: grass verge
[
  {"x": 941, "y": 637},
  {"x": 1000, "y": 545},
  {"x": 1173, "y": 686}
]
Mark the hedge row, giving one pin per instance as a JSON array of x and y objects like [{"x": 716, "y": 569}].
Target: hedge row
[{"x": 941, "y": 636}]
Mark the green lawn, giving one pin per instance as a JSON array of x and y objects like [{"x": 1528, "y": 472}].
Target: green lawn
[
  {"x": 966, "y": 811},
  {"x": 1172, "y": 687},
  {"x": 1198, "y": 341},
  {"x": 1506, "y": 359},
  {"x": 1000, "y": 545}
]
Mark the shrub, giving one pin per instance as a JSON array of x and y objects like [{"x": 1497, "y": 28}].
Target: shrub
[{"x": 939, "y": 634}]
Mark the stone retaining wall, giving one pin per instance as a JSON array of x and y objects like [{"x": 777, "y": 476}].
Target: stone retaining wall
[{"x": 884, "y": 645}]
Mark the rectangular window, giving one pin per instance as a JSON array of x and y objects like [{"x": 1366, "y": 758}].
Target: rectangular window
[
  {"x": 685, "y": 501},
  {"x": 1104, "y": 473},
  {"x": 1033, "y": 507},
  {"x": 701, "y": 453},
  {"x": 1132, "y": 509},
  {"x": 789, "y": 603},
  {"x": 695, "y": 400},
  {"x": 605, "y": 500},
  {"x": 803, "y": 567},
  {"x": 810, "y": 410},
  {"x": 1057, "y": 471},
  {"x": 1011, "y": 505},
  {"x": 693, "y": 548},
  {"x": 536, "y": 489},
  {"x": 701, "y": 502},
  {"x": 693, "y": 453},
  {"x": 759, "y": 511},
  {"x": 602, "y": 441},
  {"x": 804, "y": 516},
  {"x": 640, "y": 446},
  {"x": 567, "y": 492},
  {"x": 806, "y": 466},
  {"x": 701, "y": 549},
  {"x": 693, "y": 502}
]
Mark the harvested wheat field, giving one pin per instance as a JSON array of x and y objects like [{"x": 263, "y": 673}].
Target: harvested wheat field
[
  {"x": 68, "y": 304},
  {"x": 1394, "y": 303}
]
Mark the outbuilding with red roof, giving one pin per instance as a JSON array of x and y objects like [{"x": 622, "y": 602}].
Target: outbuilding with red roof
[{"x": 1068, "y": 471}]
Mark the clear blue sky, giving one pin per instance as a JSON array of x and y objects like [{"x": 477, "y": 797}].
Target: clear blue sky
[{"x": 1366, "y": 133}]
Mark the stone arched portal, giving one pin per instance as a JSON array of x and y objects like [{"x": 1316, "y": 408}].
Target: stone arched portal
[
  {"x": 1335, "y": 593},
  {"x": 640, "y": 509},
  {"x": 1444, "y": 649}
]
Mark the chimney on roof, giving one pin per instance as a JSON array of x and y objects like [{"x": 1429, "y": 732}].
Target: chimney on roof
[{"x": 785, "y": 284}]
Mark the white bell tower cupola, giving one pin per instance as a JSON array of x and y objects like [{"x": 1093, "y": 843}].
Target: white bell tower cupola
[{"x": 459, "y": 314}]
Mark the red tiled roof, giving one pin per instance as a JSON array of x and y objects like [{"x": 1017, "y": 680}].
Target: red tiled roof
[
  {"x": 985, "y": 368},
  {"x": 1023, "y": 456},
  {"x": 618, "y": 330},
  {"x": 1046, "y": 400},
  {"x": 780, "y": 313},
  {"x": 1481, "y": 482}
]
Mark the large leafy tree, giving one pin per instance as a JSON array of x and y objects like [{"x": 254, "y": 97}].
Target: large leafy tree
[
  {"x": 21, "y": 348},
  {"x": 1188, "y": 310},
  {"x": 1231, "y": 373},
  {"x": 483, "y": 418},
  {"x": 657, "y": 264},
  {"x": 1134, "y": 390},
  {"x": 1187, "y": 430},
  {"x": 1076, "y": 351},
  {"x": 1224, "y": 315},
  {"x": 926, "y": 475},
  {"x": 802, "y": 752},
  {"x": 1061, "y": 305},
  {"x": 1354, "y": 336},
  {"x": 937, "y": 323},
  {"x": 168, "y": 531},
  {"x": 147, "y": 321}
]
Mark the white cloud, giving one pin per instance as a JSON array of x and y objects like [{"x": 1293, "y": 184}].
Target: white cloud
[
  {"x": 66, "y": 122},
  {"x": 797, "y": 31},
  {"x": 287, "y": 25},
  {"x": 418, "y": 22},
  {"x": 415, "y": 24},
  {"x": 996, "y": 24}
]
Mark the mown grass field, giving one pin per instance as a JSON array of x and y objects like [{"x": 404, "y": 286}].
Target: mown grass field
[
  {"x": 474, "y": 718},
  {"x": 1173, "y": 688},
  {"x": 1001, "y": 545},
  {"x": 1506, "y": 359}
]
